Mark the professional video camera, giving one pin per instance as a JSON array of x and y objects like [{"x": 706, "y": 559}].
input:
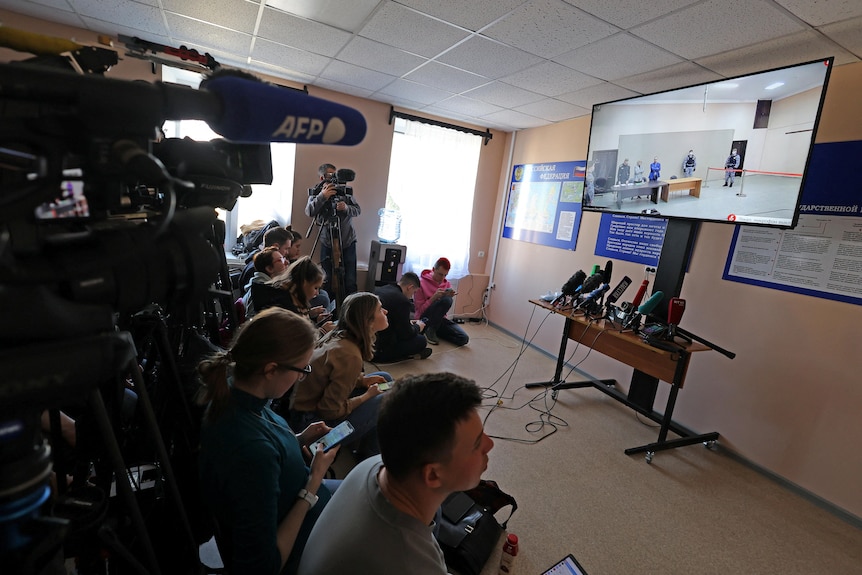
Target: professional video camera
[
  {"x": 101, "y": 230},
  {"x": 339, "y": 179}
]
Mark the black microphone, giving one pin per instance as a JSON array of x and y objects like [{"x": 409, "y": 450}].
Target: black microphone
[
  {"x": 591, "y": 283},
  {"x": 571, "y": 286},
  {"x": 609, "y": 268},
  {"x": 619, "y": 290}
]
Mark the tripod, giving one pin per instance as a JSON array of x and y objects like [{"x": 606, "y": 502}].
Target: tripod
[{"x": 331, "y": 222}]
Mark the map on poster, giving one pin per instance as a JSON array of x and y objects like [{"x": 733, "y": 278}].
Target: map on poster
[
  {"x": 822, "y": 255},
  {"x": 544, "y": 204}
]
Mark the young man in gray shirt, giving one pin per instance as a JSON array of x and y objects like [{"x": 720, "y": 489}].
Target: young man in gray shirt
[{"x": 380, "y": 520}]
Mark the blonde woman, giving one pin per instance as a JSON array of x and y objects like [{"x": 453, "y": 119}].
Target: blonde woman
[{"x": 337, "y": 389}]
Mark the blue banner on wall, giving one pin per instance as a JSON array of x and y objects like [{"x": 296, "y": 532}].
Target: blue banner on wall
[
  {"x": 822, "y": 255},
  {"x": 631, "y": 238},
  {"x": 544, "y": 204}
]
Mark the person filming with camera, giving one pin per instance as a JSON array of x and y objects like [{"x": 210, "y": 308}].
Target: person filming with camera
[{"x": 333, "y": 203}]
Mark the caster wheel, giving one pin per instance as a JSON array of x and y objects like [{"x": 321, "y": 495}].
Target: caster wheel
[
  {"x": 649, "y": 456},
  {"x": 711, "y": 445}
]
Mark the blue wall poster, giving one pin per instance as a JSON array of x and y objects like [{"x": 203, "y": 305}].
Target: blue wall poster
[
  {"x": 544, "y": 203},
  {"x": 631, "y": 238},
  {"x": 822, "y": 255}
]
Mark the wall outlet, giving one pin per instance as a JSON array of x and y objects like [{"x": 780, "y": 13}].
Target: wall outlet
[{"x": 481, "y": 254}]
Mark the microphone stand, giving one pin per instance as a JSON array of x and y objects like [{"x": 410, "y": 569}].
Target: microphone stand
[{"x": 690, "y": 336}]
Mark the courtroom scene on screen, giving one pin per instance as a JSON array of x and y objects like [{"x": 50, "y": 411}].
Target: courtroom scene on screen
[{"x": 730, "y": 151}]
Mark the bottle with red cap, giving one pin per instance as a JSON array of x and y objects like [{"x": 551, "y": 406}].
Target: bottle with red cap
[{"x": 510, "y": 551}]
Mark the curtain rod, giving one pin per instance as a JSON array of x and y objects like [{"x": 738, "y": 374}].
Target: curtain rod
[{"x": 486, "y": 135}]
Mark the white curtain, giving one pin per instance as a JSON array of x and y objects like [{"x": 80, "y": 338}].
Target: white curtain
[{"x": 432, "y": 177}]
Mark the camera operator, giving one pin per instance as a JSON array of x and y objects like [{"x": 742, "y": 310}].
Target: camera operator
[{"x": 345, "y": 208}]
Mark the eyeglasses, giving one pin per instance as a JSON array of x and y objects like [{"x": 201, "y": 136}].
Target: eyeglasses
[{"x": 303, "y": 371}]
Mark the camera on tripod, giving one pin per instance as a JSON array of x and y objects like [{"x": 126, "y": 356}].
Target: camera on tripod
[{"x": 339, "y": 179}]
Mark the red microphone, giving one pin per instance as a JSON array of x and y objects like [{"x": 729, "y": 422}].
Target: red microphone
[
  {"x": 675, "y": 309},
  {"x": 640, "y": 295}
]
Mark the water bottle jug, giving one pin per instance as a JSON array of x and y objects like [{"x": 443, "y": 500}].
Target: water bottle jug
[{"x": 389, "y": 230}]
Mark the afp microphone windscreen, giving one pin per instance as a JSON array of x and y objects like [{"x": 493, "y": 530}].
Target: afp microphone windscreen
[{"x": 258, "y": 112}]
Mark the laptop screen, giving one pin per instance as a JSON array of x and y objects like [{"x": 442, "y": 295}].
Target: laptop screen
[{"x": 567, "y": 566}]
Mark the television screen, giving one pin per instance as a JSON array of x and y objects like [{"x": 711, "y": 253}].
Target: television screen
[{"x": 732, "y": 151}]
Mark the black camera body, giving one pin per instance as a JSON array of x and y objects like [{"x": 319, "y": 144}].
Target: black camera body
[{"x": 339, "y": 179}]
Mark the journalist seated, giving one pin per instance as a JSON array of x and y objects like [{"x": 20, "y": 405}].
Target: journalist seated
[
  {"x": 403, "y": 338},
  {"x": 432, "y": 444}
]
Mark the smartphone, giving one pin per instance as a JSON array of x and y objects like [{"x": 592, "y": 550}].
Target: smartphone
[
  {"x": 323, "y": 318},
  {"x": 335, "y": 436},
  {"x": 385, "y": 385}
]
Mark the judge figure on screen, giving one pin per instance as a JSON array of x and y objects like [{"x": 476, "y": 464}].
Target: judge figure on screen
[{"x": 654, "y": 170}]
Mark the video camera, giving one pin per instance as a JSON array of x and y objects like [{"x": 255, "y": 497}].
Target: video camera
[{"x": 339, "y": 179}]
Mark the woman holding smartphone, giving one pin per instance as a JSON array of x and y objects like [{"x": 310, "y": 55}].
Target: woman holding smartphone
[
  {"x": 293, "y": 289},
  {"x": 337, "y": 389},
  {"x": 254, "y": 478},
  {"x": 433, "y": 300}
]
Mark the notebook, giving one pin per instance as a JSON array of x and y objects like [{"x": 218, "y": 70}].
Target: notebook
[{"x": 567, "y": 566}]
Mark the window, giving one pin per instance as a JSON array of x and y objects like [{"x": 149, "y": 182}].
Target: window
[
  {"x": 432, "y": 177},
  {"x": 267, "y": 202}
]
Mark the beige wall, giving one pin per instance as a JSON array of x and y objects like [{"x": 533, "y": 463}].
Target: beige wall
[{"x": 791, "y": 399}]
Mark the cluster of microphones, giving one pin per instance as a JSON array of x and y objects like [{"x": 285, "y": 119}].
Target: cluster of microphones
[{"x": 586, "y": 293}]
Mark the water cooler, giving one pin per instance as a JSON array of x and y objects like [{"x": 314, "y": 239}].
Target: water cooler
[{"x": 384, "y": 264}]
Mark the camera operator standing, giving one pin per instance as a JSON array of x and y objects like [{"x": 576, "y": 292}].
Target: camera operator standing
[{"x": 333, "y": 200}]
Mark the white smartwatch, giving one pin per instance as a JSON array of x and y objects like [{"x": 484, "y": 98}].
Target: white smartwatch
[{"x": 308, "y": 496}]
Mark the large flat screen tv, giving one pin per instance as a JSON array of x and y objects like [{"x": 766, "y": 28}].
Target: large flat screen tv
[{"x": 769, "y": 119}]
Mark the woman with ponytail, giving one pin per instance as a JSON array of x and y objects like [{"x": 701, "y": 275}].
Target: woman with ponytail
[{"x": 254, "y": 478}]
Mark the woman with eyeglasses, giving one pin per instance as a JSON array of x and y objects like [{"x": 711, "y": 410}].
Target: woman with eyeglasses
[
  {"x": 253, "y": 474},
  {"x": 337, "y": 388}
]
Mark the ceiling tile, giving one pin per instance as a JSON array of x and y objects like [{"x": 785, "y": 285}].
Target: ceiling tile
[
  {"x": 370, "y": 54},
  {"x": 415, "y": 92},
  {"x": 716, "y": 26},
  {"x": 488, "y": 57},
  {"x": 125, "y": 12},
  {"x": 628, "y": 13},
  {"x": 303, "y": 34},
  {"x": 282, "y": 72},
  {"x": 240, "y": 16},
  {"x": 436, "y": 74},
  {"x": 467, "y": 106},
  {"x": 349, "y": 15},
  {"x": 548, "y": 28},
  {"x": 553, "y": 110},
  {"x": 618, "y": 56},
  {"x": 356, "y": 75},
  {"x": 677, "y": 76},
  {"x": 819, "y": 13},
  {"x": 777, "y": 53},
  {"x": 343, "y": 88},
  {"x": 846, "y": 34},
  {"x": 550, "y": 79},
  {"x": 516, "y": 120},
  {"x": 288, "y": 57},
  {"x": 599, "y": 94},
  {"x": 472, "y": 15},
  {"x": 504, "y": 95},
  {"x": 403, "y": 28},
  {"x": 208, "y": 37}
]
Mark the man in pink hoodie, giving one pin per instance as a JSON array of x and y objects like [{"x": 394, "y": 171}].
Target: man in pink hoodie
[{"x": 432, "y": 302}]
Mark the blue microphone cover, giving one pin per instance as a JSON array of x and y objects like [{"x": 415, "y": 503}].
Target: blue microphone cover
[{"x": 256, "y": 112}]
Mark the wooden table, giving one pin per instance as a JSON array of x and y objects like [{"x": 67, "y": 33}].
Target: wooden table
[
  {"x": 608, "y": 338},
  {"x": 679, "y": 184}
]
